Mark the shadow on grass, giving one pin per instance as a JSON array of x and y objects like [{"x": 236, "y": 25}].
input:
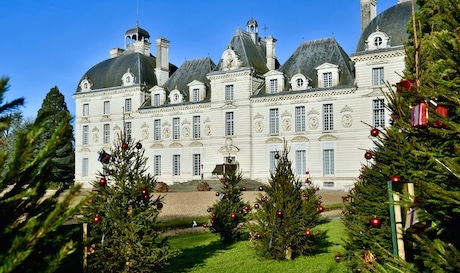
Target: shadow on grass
[{"x": 192, "y": 257}]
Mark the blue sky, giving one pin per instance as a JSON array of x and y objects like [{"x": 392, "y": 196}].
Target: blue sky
[{"x": 47, "y": 43}]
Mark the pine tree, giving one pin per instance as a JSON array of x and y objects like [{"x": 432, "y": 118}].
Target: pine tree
[
  {"x": 29, "y": 236},
  {"x": 63, "y": 163},
  {"x": 122, "y": 215},
  {"x": 287, "y": 215},
  {"x": 229, "y": 213}
]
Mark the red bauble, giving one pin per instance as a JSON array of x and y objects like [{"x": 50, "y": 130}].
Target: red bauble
[
  {"x": 205, "y": 225},
  {"x": 144, "y": 192},
  {"x": 258, "y": 236},
  {"x": 396, "y": 178},
  {"x": 320, "y": 208},
  {"x": 243, "y": 188},
  {"x": 209, "y": 210},
  {"x": 261, "y": 188},
  {"x": 139, "y": 145},
  {"x": 279, "y": 214},
  {"x": 103, "y": 181},
  {"x": 159, "y": 205},
  {"x": 217, "y": 193},
  {"x": 308, "y": 181},
  {"x": 111, "y": 172},
  {"x": 375, "y": 132},
  {"x": 223, "y": 179},
  {"x": 307, "y": 172},
  {"x": 308, "y": 233},
  {"x": 277, "y": 156},
  {"x": 368, "y": 155},
  {"x": 337, "y": 258},
  {"x": 264, "y": 198},
  {"x": 225, "y": 186},
  {"x": 256, "y": 206},
  {"x": 97, "y": 219},
  {"x": 233, "y": 215},
  {"x": 246, "y": 208},
  {"x": 124, "y": 146},
  {"x": 213, "y": 215},
  {"x": 90, "y": 249},
  {"x": 375, "y": 222}
]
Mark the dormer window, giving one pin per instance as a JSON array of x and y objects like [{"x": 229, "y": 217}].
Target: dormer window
[
  {"x": 328, "y": 75},
  {"x": 196, "y": 91},
  {"x": 85, "y": 84},
  {"x": 158, "y": 95},
  {"x": 274, "y": 86},
  {"x": 300, "y": 82},
  {"x": 175, "y": 96},
  {"x": 378, "y": 40},
  {"x": 128, "y": 78},
  {"x": 274, "y": 81}
]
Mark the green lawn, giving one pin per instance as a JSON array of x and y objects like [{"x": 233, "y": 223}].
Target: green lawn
[{"x": 202, "y": 252}]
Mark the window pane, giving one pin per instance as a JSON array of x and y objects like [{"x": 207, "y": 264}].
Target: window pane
[
  {"x": 229, "y": 124},
  {"x": 128, "y": 105},
  {"x": 273, "y": 161},
  {"x": 84, "y": 166},
  {"x": 229, "y": 92},
  {"x": 274, "y": 121},
  {"x": 106, "y": 107},
  {"x": 176, "y": 128},
  {"x": 196, "y": 127},
  {"x": 176, "y": 165},
  {"x": 157, "y": 129},
  {"x": 273, "y": 85},
  {"x": 128, "y": 129},
  {"x": 300, "y": 162},
  {"x": 378, "y": 109},
  {"x": 106, "y": 133},
  {"x": 300, "y": 119},
  {"x": 377, "y": 76},
  {"x": 85, "y": 134},
  {"x": 197, "y": 164},
  {"x": 327, "y": 79},
  {"x": 85, "y": 110},
  {"x": 157, "y": 165},
  {"x": 328, "y": 117},
  {"x": 196, "y": 95},
  {"x": 156, "y": 100},
  {"x": 328, "y": 161}
]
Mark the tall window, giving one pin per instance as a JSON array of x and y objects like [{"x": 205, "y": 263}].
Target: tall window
[
  {"x": 106, "y": 134},
  {"x": 128, "y": 105},
  {"x": 85, "y": 134},
  {"x": 377, "y": 76},
  {"x": 328, "y": 117},
  {"x": 327, "y": 79},
  {"x": 378, "y": 109},
  {"x": 84, "y": 167},
  {"x": 157, "y": 129},
  {"x": 156, "y": 100},
  {"x": 157, "y": 165},
  {"x": 273, "y": 85},
  {"x": 196, "y": 95},
  {"x": 300, "y": 119},
  {"x": 176, "y": 165},
  {"x": 196, "y": 127},
  {"x": 106, "y": 107},
  {"x": 300, "y": 162},
  {"x": 176, "y": 128},
  {"x": 274, "y": 121},
  {"x": 273, "y": 161},
  {"x": 85, "y": 109},
  {"x": 128, "y": 129},
  {"x": 229, "y": 124},
  {"x": 328, "y": 161},
  {"x": 196, "y": 164},
  {"x": 229, "y": 92}
]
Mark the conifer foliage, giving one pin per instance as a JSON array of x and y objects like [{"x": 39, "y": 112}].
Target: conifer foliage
[
  {"x": 286, "y": 217},
  {"x": 122, "y": 214},
  {"x": 30, "y": 219},
  {"x": 229, "y": 213}
]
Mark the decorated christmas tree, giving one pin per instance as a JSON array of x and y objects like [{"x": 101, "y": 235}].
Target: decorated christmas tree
[
  {"x": 286, "y": 215},
  {"x": 229, "y": 213},
  {"x": 122, "y": 214}
]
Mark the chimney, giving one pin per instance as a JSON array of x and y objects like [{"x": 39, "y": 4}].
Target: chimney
[
  {"x": 368, "y": 12},
  {"x": 270, "y": 52},
  {"x": 162, "y": 59}
]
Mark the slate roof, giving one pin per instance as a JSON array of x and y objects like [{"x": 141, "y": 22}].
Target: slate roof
[
  {"x": 108, "y": 73},
  {"x": 190, "y": 71},
  {"x": 312, "y": 54},
  {"x": 393, "y": 21},
  {"x": 251, "y": 54}
]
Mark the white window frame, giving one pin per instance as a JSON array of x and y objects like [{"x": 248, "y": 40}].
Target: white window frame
[
  {"x": 128, "y": 105},
  {"x": 300, "y": 162},
  {"x": 176, "y": 165},
  {"x": 300, "y": 119},
  {"x": 273, "y": 86},
  {"x": 106, "y": 107},
  {"x": 273, "y": 161},
  {"x": 378, "y": 76},
  {"x": 327, "y": 79},
  {"x": 176, "y": 128},
  {"x": 85, "y": 135},
  {"x": 328, "y": 159},
  {"x": 106, "y": 138},
  {"x": 128, "y": 129},
  {"x": 229, "y": 92},
  {"x": 196, "y": 164},
  {"x": 157, "y": 165},
  {"x": 85, "y": 109},
  {"x": 229, "y": 123},
  {"x": 85, "y": 167},
  {"x": 274, "y": 121},
  {"x": 156, "y": 99},
  {"x": 378, "y": 112},
  {"x": 157, "y": 129},
  {"x": 328, "y": 117},
  {"x": 196, "y": 127},
  {"x": 195, "y": 95}
]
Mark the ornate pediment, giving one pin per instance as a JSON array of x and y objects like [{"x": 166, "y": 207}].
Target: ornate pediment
[
  {"x": 273, "y": 140},
  {"x": 299, "y": 139},
  {"x": 327, "y": 138}
]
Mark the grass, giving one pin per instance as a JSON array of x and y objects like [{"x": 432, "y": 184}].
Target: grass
[{"x": 203, "y": 252}]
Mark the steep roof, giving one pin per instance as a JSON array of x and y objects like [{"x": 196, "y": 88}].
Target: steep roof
[
  {"x": 251, "y": 54},
  {"x": 190, "y": 71},
  {"x": 312, "y": 54},
  {"x": 392, "y": 21}
]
